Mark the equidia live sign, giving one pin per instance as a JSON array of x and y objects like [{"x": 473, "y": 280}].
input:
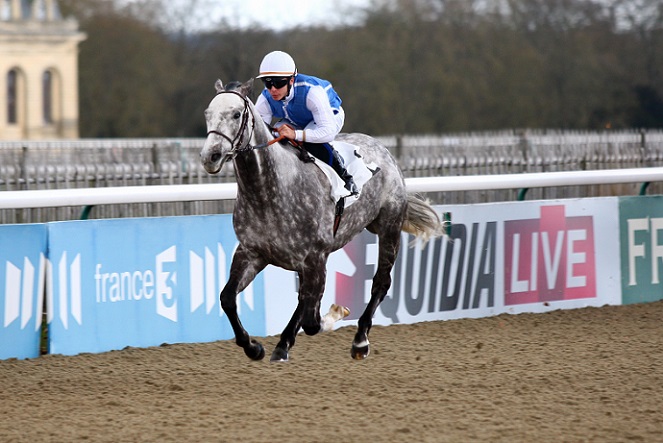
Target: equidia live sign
[{"x": 487, "y": 264}]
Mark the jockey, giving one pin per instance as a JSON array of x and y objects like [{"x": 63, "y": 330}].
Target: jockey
[{"x": 308, "y": 108}]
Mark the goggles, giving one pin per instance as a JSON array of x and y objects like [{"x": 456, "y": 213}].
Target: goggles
[{"x": 277, "y": 82}]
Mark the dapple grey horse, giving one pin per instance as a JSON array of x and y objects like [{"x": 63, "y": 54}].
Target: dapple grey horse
[{"x": 284, "y": 216}]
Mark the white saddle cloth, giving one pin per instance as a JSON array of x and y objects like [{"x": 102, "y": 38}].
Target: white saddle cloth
[{"x": 360, "y": 171}]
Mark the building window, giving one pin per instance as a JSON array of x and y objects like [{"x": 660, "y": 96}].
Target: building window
[
  {"x": 39, "y": 10},
  {"x": 5, "y": 10},
  {"x": 47, "y": 105},
  {"x": 12, "y": 97}
]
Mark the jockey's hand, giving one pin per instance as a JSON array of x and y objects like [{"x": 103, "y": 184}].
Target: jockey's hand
[{"x": 286, "y": 131}]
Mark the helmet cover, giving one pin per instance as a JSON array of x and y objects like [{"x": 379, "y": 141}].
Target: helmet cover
[{"x": 277, "y": 64}]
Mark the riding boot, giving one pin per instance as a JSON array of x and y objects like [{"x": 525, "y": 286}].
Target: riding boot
[{"x": 339, "y": 166}]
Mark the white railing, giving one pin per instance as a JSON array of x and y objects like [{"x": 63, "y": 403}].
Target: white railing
[
  {"x": 534, "y": 180},
  {"x": 49, "y": 198}
]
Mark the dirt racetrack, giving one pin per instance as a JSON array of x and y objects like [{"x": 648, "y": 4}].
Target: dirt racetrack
[{"x": 586, "y": 375}]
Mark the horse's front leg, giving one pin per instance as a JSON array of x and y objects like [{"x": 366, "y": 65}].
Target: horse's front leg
[
  {"x": 307, "y": 313},
  {"x": 311, "y": 288},
  {"x": 289, "y": 334},
  {"x": 245, "y": 266}
]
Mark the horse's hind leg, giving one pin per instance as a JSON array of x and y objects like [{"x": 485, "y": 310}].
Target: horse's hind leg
[
  {"x": 389, "y": 245},
  {"x": 243, "y": 270}
]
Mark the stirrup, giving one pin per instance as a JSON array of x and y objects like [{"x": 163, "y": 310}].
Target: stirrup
[{"x": 351, "y": 186}]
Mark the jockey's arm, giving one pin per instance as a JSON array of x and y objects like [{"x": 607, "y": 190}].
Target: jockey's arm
[
  {"x": 325, "y": 127},
  {"x": 263, "y": 108}
]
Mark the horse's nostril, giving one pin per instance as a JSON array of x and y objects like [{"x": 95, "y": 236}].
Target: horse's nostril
[{"x": 216, "y": 157}]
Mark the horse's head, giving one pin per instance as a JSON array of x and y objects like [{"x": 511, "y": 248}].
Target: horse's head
[{"x": 230, "y": 124}]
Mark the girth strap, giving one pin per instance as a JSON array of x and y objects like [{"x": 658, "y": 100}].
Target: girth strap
[{"x": 340, "y": 207}]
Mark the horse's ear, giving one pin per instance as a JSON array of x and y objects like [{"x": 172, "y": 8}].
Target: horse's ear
[
  {"x": 247, "y": 88},
  {"x": 218, "y": 85}
]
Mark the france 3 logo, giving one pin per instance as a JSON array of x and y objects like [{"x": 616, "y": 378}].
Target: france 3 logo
[
  {"x": 157, "y": 286},
  {"x": 24, "y": 289}
]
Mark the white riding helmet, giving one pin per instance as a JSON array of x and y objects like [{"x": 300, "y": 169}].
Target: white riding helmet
[{"x": 277, "y": 64}]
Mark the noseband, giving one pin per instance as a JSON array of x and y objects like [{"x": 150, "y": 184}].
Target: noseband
[{"x": 236, "y": 144}]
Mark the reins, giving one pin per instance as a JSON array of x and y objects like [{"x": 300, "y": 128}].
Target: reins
[
  {"x": 237, "y": 142},
  {"x": 269, "y": 143}
]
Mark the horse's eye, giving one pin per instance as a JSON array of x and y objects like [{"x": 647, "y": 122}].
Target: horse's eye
[{"x": 237, "y": 115}]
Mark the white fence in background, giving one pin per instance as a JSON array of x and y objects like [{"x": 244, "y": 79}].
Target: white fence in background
[
  {"x": 227, "y": 191},
  {"x": 109, "y": 163}
]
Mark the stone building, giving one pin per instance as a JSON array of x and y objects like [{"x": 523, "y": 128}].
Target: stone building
[{"x": 38, "y": 71}]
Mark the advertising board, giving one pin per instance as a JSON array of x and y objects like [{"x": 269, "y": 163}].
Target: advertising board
[
  {"x": 641, "y": 240},
  {"x": 143, "y": 282},
  {"x": 515, "y": 257},
  {"x": 23, "y": 259}
]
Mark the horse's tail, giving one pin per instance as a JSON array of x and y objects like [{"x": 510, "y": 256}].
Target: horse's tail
[{"x": 421, "y": 219}]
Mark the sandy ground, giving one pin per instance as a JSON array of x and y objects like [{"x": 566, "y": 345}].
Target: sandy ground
[{"x": 586, "y": 375}]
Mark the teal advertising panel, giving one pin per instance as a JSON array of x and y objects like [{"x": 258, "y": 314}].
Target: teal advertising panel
[
  {"x": 22, "y": 256},
  {"x": 143, "y": 282},
  {"x": 641, "y": 239}
]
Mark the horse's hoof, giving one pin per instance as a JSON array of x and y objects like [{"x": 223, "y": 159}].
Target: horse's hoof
[
  {"x": 360, "y": 352},
  {"x": 336, "y": 313},
  {"x": 279, "y": 355},
  {"x": 255, "y": 351}
]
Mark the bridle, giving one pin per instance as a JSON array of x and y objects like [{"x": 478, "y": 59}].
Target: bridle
[{"x": 237, "y": 143}]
